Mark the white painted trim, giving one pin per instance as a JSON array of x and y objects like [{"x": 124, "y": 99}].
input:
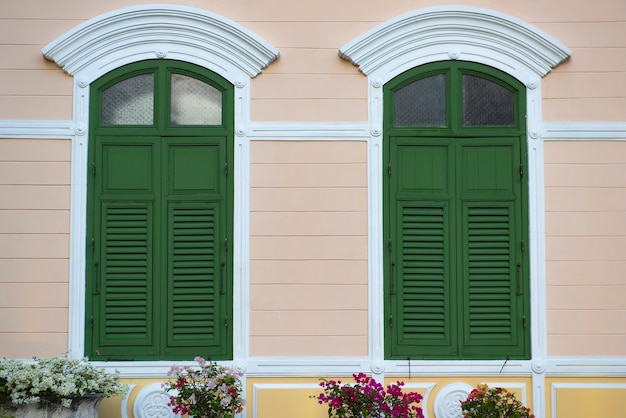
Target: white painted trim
[
  {"x": 36, "y": 129},
  {"x": 337, "y": 131},
  {"x": 584, "y": 131},
  {"x": 455, "y": 32},
  {"x": 308, "y": 131},
  {"x": 136, "y": 33}
]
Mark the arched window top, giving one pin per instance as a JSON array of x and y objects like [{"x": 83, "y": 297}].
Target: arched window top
[
  {"x": 162, "y": 94},
  {"x": 137, "y": 33},
  {"x": 453, "y": 32},
  {"x": 449, "y": 97}
]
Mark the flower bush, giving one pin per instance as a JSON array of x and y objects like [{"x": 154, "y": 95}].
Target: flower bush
[
  {"x": 56, "y": 380},
  {"x": 206, "y": 391},
  {"x": 493, "y": 402},
  {"x": 368, "y": 398}
]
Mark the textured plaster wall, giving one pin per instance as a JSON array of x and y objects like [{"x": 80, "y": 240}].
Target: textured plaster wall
[
  {"x": 309, "y": 200},
  {"x": 308, "y": 249},
  {"x": 585, "y": 239},
  {"x": 34, "y": 246},
  {"x": 310, "y": 82}
]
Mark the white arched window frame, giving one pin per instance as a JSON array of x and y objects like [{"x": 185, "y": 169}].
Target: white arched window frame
[
  {"x": 132, "y": 34},
  {"x": 475, "y": 35}
]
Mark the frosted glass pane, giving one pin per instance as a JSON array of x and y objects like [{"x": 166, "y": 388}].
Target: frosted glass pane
[
  {"x": 129, "y": 102},
  {"x": 421, "y": 103},
  {"x": 486, "y": 103},
  {"x": 194, "y": 102}
]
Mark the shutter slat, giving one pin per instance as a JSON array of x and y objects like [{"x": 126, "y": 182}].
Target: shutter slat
[
  {"x": 422, "y": 271},
  {"x": 194, "y": 275},
  {"x": 490, "y": 302},
  {"x": 125, "y": 270}
]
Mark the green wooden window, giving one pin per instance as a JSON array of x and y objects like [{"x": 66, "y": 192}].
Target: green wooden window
[
  {"x": 455, "y": 214},
  {"x": 159, "y": 267}
]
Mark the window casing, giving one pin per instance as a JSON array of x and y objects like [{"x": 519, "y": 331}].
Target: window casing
[
  {"x": 455, "y": 214},
  {"x": 159, "y": 217}
]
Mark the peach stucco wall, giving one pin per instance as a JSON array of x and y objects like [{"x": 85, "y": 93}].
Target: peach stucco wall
[
  {"x": 585, "y": 238},
  {"x": 309, "y": 82},
  {"x": 308, "y": 244},
  {"x": 309, "y": 199},
  {"x": 34, "y": 246}
]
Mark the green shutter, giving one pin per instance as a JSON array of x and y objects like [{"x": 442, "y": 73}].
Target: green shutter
[
  {"x": 490, "y": 238},
  {"x": 124, "y": 282},
  {"x": 196, "y": 278},
  {"x": 159, "y": 267},
  {"x": 421, "y": 281},
  {"x": 455, "y": 220}
]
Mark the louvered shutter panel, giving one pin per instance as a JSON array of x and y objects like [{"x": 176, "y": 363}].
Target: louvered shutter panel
[
  {"x": 124, "y": 283},
  {"x": 196, "y": 277},
  {"x": 421, "y": 281},
  {"x": 489, "y": 246}
]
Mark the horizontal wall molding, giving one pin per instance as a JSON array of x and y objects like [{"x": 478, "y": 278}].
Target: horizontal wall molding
[
  {"x": 584, "y": 131},
  {"x": 346, "y": 366},
  {"x": 313, "y": 131},
  {"x": 586, "y": 366},
  {"x": 36, "y": 129},
  {"x": 552, "y": 131}
]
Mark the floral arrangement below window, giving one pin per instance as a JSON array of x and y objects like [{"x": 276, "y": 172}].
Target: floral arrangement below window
[
  {"x": 207, "y": 391},
  {"x": 368, "y": 398},
  {"x": 55, "y": 380},
  {"x": 493, "y": 402}
]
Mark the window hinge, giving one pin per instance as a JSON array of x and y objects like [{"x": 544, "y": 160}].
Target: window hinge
[
  {"x": 522, "y": 246},
  {"x": 389, "y": 168},
  {"x": 524, "y": 321},
  {"x": 91, "y": 320},
  {"x": 390, "y": 321},
  {"x": 226, "y": 321},
  {"x": 389, "y": 245},
  {"x": 226, "y": 168},
  {"x": 225, "y": 244},
  {"x": 93, "y": 169},
  {"x": 93, "y": 244},
  {"x": 521, "y": 171}
]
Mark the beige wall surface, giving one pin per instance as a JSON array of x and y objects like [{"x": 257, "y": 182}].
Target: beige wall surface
[
  {"x": 309, "y": 199},
  {"x": 34, "y": 246},
  {"x": 309, "y": 82},
  {"x": 308, "y": 225},
  {"x": 585, "y": 240}
]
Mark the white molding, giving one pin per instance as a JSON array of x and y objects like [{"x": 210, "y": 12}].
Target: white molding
[
  {"x": 36, "y": 129},
  {"x": 584, "y": 131},
  {"x": 335, "y": 131},
  {"x": 586, "y": 366},
  {"x": 447, "y": 402},
  {"x": 136, "y": 33},
  {"x": 308, "y": 131},
  {"x": 456, "y": 32}
]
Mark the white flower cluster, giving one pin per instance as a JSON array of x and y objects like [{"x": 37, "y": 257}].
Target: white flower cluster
[{"x": 54, "y": 380}]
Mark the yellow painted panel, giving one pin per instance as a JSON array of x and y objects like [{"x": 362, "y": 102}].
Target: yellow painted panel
[{"x": 587, "y": 398}]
